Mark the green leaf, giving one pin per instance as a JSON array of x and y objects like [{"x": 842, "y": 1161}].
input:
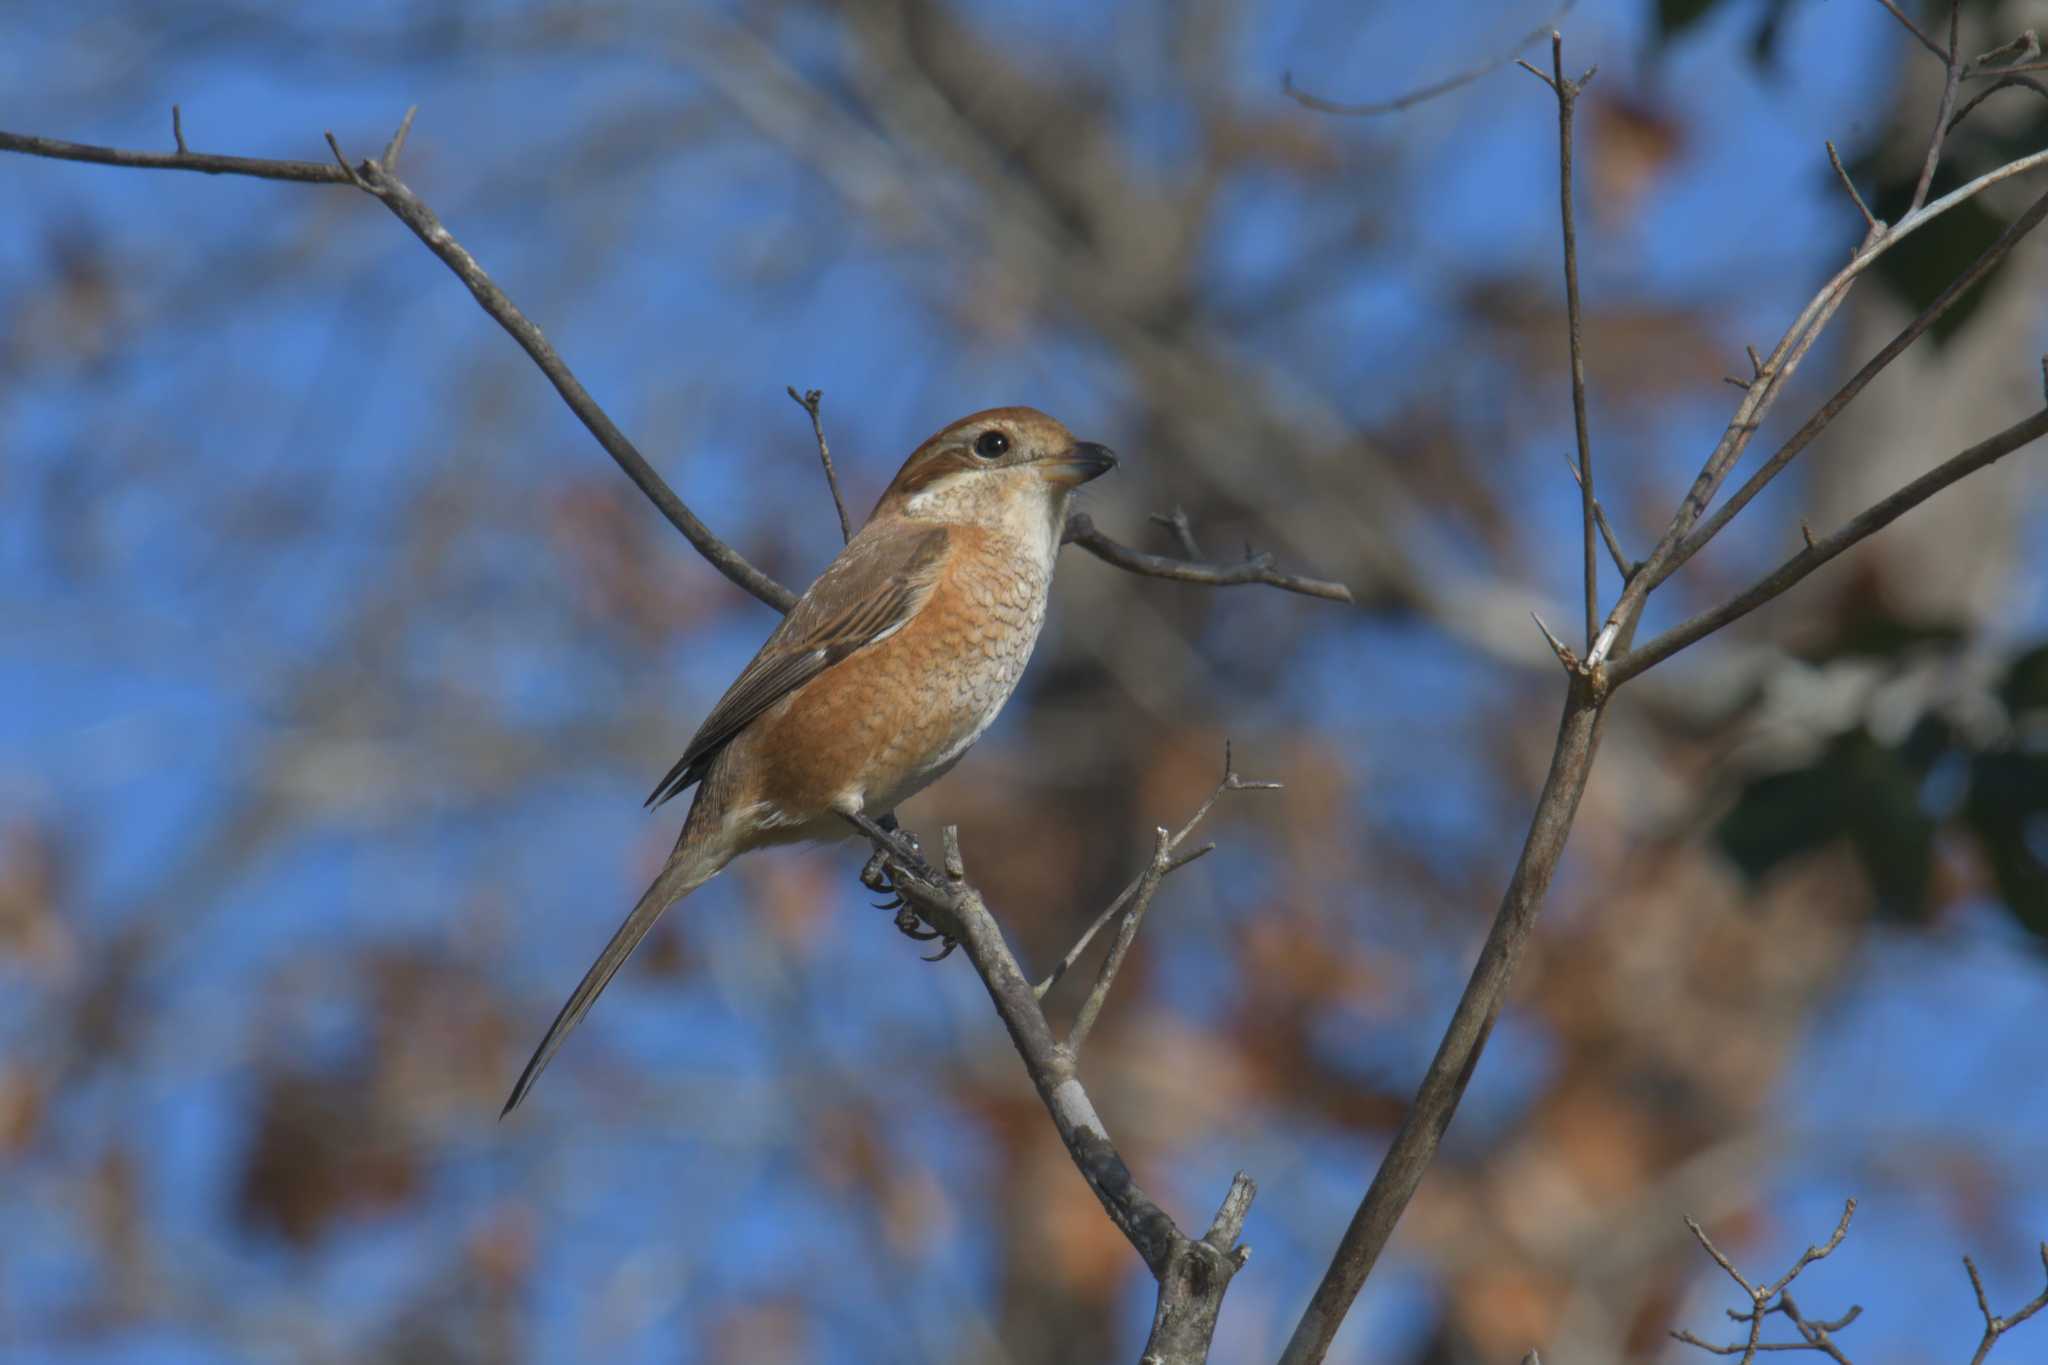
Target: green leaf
[
  {"x": 2008, "y": 799},
  {"x": 1782, "y": 816},
  {"x": 1858, "y": 790},
  {"x": 1676, "y": 16},
  {"x": 2026, "y": 683}
]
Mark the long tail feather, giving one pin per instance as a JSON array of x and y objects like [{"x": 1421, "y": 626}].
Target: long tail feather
[{"x": 685, "y": 872}]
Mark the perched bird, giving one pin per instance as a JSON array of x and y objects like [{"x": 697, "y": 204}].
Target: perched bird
[{"x": 888, "y": 667}]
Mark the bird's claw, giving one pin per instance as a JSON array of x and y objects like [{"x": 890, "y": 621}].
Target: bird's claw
[
  {"x": 900, "y": 857},
  {"x": 910, "y": 926},
  {"x": 875, "y": 875}
]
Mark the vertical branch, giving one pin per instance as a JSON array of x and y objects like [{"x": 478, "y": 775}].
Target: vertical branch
[
  {"x": 1567, "y": 92},
  {"x": 809, "y": 400},
  {"x": 1443, "y": 1085},
  {"x": 1951, "y": 79}
]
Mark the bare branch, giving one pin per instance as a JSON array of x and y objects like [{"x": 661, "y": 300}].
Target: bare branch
[
  {"x": 2004, "y": 83},
  {"x": 1771, "y": 375},
  {"x": 397, "y": 142},
  {"x": 1126, "y": 935},
  {"x": 1230, "y": 782},
  {"x": 1425, "y": 93},
  {"x": 1192, "y": 1273},
  {"x": 809, "y": 400},
  {"x": 1950, "y": 82},
  {"x": 1841, "y": 173},
  {"x": 1443, "y": 1085},
  {"x": 303, "y": 172},
  {"x": 1819, "y": 552},
  {"x": 1914, "y": 29},
  {"x": 1176, "y": 521},
  {"x": 1622, "y": 564},
  {"x": 1799, "y": 440},
  {"x": 1815, "y": 1253},
  {"x": 178, "y": 128},
  {"x": 1567, "y": 95},
  {"x": 1557, "y": 646},
  {"x": 379, "y": 181},
  {"x": 1257, "y": 568},
  {"x": 2006, "y": 56},
  {"x": 1764, "y": 1300},
  {"x": 1996, "y": 1326}
]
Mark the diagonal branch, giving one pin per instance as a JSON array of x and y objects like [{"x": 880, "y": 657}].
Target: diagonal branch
[
  {"x": 1623, "y": 565},
  {"x": 1134, "y": 900},
  {"x": 1819, "y": 551},
  {"x": 1126, "y": 935},
  {"x": 1422, "y": 93},
  {"x": 1814, "y": 1334},
  {"x": 1764, "y": 390},
  {"x": 1997, "y": 1325},
  {"x": 1257, "y": 568},
  {"x": 380, "y": 181},
  {"x": 1443, "y": 1085},
  {"x": 1230, "y": 782},
  {"x": 1799, "y": 440},
  {"x": 1192, "y": 1273}
]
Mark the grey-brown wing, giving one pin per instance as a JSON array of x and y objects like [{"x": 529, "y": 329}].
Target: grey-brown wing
[{"x": 865, "y": 595}]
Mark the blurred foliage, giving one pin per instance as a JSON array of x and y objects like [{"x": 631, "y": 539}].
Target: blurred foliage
[{"x": 1983, "y": 781}]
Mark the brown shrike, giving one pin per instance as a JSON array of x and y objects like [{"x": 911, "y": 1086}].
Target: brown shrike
[{"x": 888, "y": 667}]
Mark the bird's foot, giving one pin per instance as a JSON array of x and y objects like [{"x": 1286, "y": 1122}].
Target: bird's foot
[
  {"x": 897, "y": 850},
  {"x": 898, "y": 853},
  {"x": 902, "y": 848}
]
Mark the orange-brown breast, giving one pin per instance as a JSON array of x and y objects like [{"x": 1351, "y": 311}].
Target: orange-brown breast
[{"x": 891, "y": 718}]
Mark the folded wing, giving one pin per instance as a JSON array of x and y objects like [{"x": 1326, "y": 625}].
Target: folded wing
[{"x": 864, "y": 596}]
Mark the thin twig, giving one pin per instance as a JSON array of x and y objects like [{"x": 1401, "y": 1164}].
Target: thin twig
[
  {"x": 1622, "y": 563},
  {"x": 1258, "y": 568},
  {"x": 1951, "y": 80},
  {"x": 1177, "y": 522},
  {"x": 1914, "y": 29},
  {"x": 1771, "y": 376},
  {"x": 1230, "y": 782},
  {"x": 1986, "y": 261},
  {"x": 809, "y": 400},
  {"x": 178, "y": 129},
  {"x": 1819, "y": 552},
  {"x": 395, "y": 195},
  {"x": 1422, "y": 94},
  {"x": 1126, "y": 935},
  {"x": 57, "y": 149},
  {"x": 1996, "y": 1325},
  {"x": 1870, "y": 220},
  {"x": 1192, "y": 1272},
  {"x": 1567, "y": 95},
  {"x": 379, "y": 182},
  {"x": 1764, "y": 1300},
  {"x": 2004, "y": 83},
  {"x": 397, "y": 142},
  {"x": 1557, "y": 646},
  {"x": 2006, "y": 56}
]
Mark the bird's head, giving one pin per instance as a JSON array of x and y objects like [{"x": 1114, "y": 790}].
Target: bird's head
[{"x": 1004, "y": 466}]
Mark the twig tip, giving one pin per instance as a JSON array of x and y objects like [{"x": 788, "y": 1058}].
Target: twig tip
[{"x": 1557, "y": 646}]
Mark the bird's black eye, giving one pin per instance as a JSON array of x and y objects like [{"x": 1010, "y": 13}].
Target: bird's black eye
[{"x": 990, "y": 445}]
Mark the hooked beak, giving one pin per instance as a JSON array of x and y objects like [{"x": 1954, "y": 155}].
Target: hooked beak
[{"x": 1085, "y": 461}]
